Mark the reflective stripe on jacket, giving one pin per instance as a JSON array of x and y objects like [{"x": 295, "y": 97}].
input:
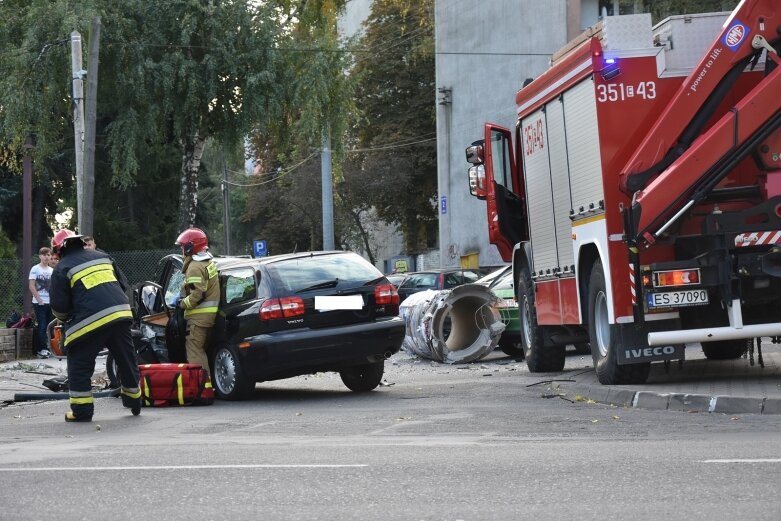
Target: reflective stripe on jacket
[
  {"x": 88, "y": 293},
  {"x": 202, "y": 291}
]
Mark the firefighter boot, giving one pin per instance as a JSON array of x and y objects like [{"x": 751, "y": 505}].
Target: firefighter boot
[
  {"x": 132, "y": 400},
  {"x": 70, "y": 417}
]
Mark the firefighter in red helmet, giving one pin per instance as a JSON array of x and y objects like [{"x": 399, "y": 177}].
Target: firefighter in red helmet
[
  {"x": 88, "y": 294},
  {"x": 201, "y": 294}
]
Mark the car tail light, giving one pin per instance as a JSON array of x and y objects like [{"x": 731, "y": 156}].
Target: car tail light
[
  {"x": 285, "y": 307},
  {"x": 677, "y": 277},
  {"x": 386, "y": 294}
]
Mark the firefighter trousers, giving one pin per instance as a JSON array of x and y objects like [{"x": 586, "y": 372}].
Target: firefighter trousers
[
  {"x": 196, "y": 344},
  {"x": 81, "y": 366}
]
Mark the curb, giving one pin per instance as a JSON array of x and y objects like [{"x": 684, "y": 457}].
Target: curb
[{"x": 676, "y": 401}]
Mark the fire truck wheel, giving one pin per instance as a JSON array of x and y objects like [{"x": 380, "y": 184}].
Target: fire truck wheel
[
  {"x": 539, "y": 357},
  {"x": 605, "y": 339},
  {"x": 726, "y": 349}
]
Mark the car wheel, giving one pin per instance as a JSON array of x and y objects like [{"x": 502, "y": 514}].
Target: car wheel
[
  {"x": 511, "y": 348},
  {"x": 604, "y": 336},
  {"x": 363, "y": 378},
  {"x": 539, "y": 357},
  {"x": 726, "y": 349},
  {"x": 229, "y": 380},
  {"x": 112, "y": 372}
]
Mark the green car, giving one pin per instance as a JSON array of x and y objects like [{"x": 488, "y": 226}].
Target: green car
[{"x": 500, "y": 282}]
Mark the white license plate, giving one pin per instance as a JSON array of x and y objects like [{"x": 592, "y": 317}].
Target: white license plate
[
  {"x": 676, "y": 299},
  {"x": 326, "y": 303}
]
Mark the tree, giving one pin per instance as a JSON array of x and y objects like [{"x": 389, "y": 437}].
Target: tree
[
  {"x": 174, "y": 76},
  {"x": 395, "y": 96},
  {"x": 315, "y": 97},
  {"x": 661, "y": 9}
]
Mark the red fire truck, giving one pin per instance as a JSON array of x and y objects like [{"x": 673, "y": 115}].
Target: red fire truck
[{"x": 641, "y": 202}]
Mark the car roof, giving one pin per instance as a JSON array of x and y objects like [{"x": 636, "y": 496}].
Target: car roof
[
  {"x": 238, "y": 261},
  {"x": 444, "y": 270}
]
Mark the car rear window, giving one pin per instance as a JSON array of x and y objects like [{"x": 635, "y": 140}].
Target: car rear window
[
  {"x": 421, "y": 280},
  {"x": 300, "y": 273}
]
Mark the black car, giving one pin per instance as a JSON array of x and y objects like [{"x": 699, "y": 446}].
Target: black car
[
  {"x": 289, "y": 315},
  {"x": 446, "y": 278}
]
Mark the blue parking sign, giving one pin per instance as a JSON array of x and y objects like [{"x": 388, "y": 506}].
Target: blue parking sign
[{"x": 259, "y": 248}]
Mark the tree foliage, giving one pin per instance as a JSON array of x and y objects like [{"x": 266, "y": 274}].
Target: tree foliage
[
  {"x": 284, "y": 201},
  {"x": 661, "y": 9},
  {"x": 174, "y": 77},
  {"x": 397, "y": 125}
]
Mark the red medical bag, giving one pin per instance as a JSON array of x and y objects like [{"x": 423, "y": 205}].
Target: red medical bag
[{"x": 175, "y": 384}]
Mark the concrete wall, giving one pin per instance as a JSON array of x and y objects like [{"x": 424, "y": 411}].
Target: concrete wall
[{"x": 485, "y": 50}]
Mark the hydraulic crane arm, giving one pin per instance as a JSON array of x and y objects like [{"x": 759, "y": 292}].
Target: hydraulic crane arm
[
  {"x": 695, "y": 161},
  {"x": 745, "y": 34}
]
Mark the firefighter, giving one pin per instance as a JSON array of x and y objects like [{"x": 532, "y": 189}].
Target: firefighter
[
  {"x": 201, "y": 294},
  {"x": 88, "y": 295}
]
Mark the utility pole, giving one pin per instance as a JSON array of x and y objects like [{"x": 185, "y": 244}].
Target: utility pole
[
  {"x": 327, "y": 193},
  {"x": 27, "y": 219},
  {"x": 77, "y": 75},
  {"x": 87, "y": 215},
  {"x": 226, "y": 208}
]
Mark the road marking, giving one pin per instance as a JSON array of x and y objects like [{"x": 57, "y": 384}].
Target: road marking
[
  {"x": 758, "y": 460},
  {"x": 180, "y": 467}
]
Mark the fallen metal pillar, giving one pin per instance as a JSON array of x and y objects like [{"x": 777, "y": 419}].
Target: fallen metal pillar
[{"x": 452, "y": 326}]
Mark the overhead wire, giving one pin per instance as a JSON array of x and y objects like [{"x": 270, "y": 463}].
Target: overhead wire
[{"x": 277, "y": 174}]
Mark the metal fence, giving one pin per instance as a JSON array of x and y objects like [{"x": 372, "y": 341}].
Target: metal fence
[{"x": 138, "y": 266}]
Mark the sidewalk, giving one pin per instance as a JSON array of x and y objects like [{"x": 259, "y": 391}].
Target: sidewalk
[
  {"x": 27, "y": 376},
  {"x": 698, "y": 385}
]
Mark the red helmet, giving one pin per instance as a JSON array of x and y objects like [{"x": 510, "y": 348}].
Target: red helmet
[
  {"x": 60, "y": 238},
  {"x": 192, "y": 241}
]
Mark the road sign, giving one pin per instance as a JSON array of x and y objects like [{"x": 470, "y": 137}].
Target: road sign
[
  {"x": 443, "y": 205},
  {"x": 259, "y": 248}
]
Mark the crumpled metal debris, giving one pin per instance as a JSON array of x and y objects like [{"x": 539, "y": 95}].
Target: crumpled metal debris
[{"x": 452, "y": 326}]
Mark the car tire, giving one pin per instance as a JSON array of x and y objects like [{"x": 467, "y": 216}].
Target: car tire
[
  {"x": 539, "y": 357},
  {"x": 228, "y": 377},
  {"x": 726, "y": 349},
  {"x": 363, "y": 378},
  {"x": 605, "y": 342},
  {"x": 511, "y": 348}
]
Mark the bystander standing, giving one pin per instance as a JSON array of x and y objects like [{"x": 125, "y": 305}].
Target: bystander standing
[
  {"x": 89, "y": 242},
  {"x": 39, "y": 281}
]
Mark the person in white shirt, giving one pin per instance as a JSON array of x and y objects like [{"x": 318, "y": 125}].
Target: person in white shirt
[{"x": 39, "y": 280}]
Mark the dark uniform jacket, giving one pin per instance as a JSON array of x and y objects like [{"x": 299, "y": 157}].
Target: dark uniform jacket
[{"x": 88, "y": 293}]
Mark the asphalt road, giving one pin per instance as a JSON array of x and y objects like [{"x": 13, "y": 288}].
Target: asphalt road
[{"x": 485, "y": 441}]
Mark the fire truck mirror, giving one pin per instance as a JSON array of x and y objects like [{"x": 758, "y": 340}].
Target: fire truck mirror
[{"x": 474, "y": 153}]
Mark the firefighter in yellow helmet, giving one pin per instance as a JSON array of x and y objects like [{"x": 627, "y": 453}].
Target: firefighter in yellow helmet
[
  {"x": 87, "y": 293},
  {"x": 201, "y": 294}
]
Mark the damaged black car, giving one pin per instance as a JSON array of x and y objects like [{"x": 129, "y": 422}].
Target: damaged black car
[{"x": 279, "y": 317}]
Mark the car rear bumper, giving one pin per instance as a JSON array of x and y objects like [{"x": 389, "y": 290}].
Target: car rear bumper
[{"x": 303, "y": 351}]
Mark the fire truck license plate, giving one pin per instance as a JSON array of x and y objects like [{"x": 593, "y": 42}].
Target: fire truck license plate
[{"x": 670, "y": 299}]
